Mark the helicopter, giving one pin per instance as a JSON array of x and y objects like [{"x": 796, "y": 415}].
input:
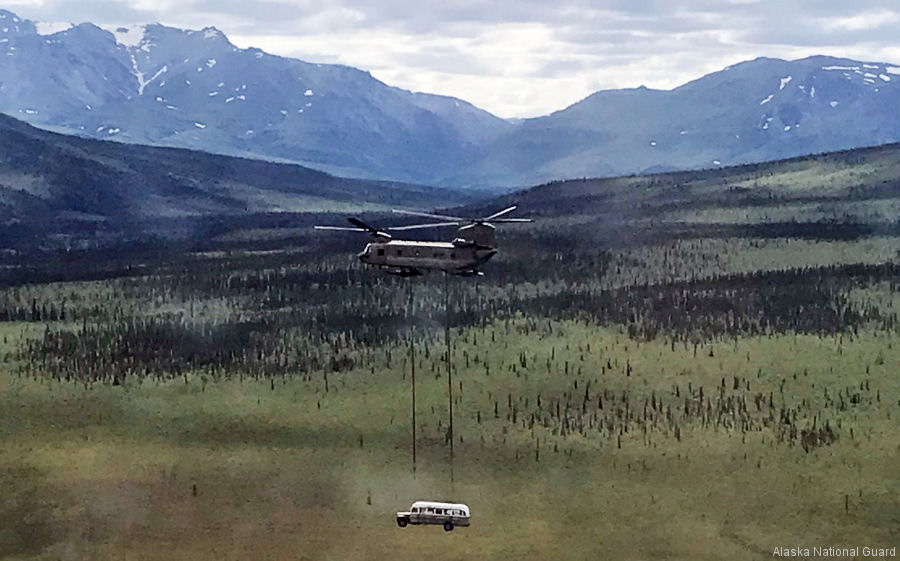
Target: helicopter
[{"x": 472, "y": 247}]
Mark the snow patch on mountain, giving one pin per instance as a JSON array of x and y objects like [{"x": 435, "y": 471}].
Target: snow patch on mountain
[
  {"x": 137, "y": 73},
  {"x": 784, "y": 82},
  {"x": 131, "y": 36}
]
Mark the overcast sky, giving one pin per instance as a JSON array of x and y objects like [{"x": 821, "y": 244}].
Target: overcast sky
[{"x": 519, "y": 58}]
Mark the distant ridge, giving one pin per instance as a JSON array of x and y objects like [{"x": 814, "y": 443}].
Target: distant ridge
[
  {"x": 761, "y": 110},
  {"x": 92, "y": 192}
]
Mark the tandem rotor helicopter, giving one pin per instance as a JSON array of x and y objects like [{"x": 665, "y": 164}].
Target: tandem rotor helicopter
[{"x": 473, "y": 245}]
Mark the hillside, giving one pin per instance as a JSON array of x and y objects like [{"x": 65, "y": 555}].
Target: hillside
[
  {"x": 852, "y": 189},
  {"x": 88, "y": 190}
]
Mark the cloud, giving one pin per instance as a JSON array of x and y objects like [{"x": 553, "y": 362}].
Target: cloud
[{"x": 520, "y": 58}]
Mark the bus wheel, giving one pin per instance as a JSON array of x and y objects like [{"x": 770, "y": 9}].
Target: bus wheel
[
  {"x": 448, "y": 526},
  {"x": 402, "y": 522}
]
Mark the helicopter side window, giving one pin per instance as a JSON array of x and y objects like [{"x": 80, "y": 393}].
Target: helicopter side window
[
  {"x": 452, "y": 255},
  {"x": 399, "y": 252},
  {"x": 380, "y": 251}
]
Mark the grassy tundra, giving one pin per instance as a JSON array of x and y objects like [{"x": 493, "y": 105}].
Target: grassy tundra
[
  {"x": 619, "y": 457},
  {"x": 702, "y": 380}
]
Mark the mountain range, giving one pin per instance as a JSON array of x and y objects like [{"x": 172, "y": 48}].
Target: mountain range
[
  {"x": 159, "y": 85},
  {"x": 154, "y": 84},
  {"x": 764, "y": 109}
]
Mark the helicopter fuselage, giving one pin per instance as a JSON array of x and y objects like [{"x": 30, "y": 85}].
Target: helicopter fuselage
[{"x": 407, "y": 257}]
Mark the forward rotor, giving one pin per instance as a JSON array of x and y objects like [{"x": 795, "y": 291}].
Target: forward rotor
[
  {"x": 459, "y": 220},
  {"x": 359, "y": 226},
  {"x": 446, "y": 220}
]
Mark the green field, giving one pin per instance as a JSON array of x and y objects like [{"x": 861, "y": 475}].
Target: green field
[{"x": 182, "y": 469}]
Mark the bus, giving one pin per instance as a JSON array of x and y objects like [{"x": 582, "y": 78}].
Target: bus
[{"x": 449, "y": 515}]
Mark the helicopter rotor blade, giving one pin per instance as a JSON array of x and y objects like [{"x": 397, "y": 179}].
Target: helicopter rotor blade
[
  {"x": 361, "y": 225},
  {"x": 499, "y": 214},
  {"x": 370, "y": 229},
  {"x": 419, "y": 226},
  {"x": 341, "y": 228},
  {"x": 429, "y": 215},
  {"x": 512, "y": 220}
]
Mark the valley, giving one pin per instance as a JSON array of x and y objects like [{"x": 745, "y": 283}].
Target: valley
[{"x": 697, "y": 364}]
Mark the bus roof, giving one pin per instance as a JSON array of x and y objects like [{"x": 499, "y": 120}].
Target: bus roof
[{"x": 434, "y": 504}]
